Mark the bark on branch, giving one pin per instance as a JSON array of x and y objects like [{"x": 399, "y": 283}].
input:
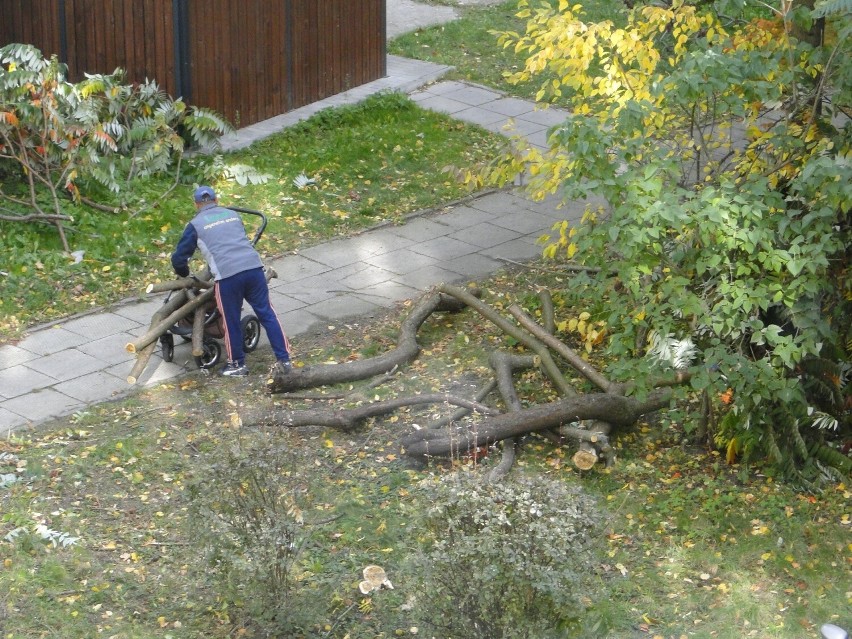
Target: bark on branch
[
  {"x": 615, "y": 409},
  {"x": 406, "y": 350},
  {"x": 347, "y": 419}
]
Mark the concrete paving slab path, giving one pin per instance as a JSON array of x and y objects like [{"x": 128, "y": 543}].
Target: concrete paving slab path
[{"x": 62, "y": 368}]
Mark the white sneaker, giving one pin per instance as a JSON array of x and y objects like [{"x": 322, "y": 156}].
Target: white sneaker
[{"x": 233, "y": 369}]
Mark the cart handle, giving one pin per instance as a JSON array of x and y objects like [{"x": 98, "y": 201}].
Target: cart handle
[{"x": 262, "y": 217}]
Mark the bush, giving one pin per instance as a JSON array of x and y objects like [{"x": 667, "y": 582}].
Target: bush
[
  {"x": 505, "y": 560},
  {"x": 247, "y": 521},
  {"x": 720, "y": 151},
  {"x": 76, "y": 141}
]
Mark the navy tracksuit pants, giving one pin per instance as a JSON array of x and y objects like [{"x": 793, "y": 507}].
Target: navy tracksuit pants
[{"x": 250, "y": 286}]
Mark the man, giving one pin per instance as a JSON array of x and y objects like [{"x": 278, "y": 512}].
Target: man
[{"x": 238, "y": 274}]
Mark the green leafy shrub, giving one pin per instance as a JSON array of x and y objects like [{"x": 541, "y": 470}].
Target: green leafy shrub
[
  {"x": 719, "y": 154},
  {"x": 72, "y": 140},
  {"x": 504, "y": 560}
]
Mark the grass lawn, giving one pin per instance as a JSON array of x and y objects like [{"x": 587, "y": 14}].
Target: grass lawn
[{"x": 470, "y": 44}]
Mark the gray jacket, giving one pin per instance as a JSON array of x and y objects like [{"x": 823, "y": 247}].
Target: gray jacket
[{"x": 220, "y": 235}]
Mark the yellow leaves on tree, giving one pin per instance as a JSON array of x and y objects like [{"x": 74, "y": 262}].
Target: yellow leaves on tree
[
  {"x": 644, "y": 70},
  {"x": 602, "y": 63},
  {"x": 590, "y": 333}
]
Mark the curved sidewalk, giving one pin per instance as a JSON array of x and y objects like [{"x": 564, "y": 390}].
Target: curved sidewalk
[{"x": 64, "y": 367}]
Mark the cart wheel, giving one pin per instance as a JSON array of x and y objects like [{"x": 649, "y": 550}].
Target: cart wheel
[
  {"x": 250, "y": 326},
  {"x": 167, "y": 345},
  {"x": 212, "y": 354}
]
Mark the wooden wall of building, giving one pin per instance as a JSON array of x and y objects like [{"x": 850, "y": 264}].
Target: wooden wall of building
[{"x": 247, "y": 59}]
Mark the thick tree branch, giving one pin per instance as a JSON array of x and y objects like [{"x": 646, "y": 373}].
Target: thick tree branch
[
  {"x": 568, "y": 354},
  {"x": 406, "y": 350},
  {"x": 504, "y": 364},
  {"x": 32, "y": 217},
  {"x": 549, "y": 366},
  {"x": 347, "y": 419},
  {"x": 178, "y": 284},
  {"x": 548, "y": 321},
  {"x": 615, "y": 409}
]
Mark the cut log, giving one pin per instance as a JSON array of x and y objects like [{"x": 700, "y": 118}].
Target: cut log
[
  {"x": 198, "y": 333},
  {"x": 585, "y": 458},
  {"x": 155, "y": 331},
  {"x": 142, "y": 358},
  {"x": 144, "y": 355},
  {"x": 594, "y": 443},
  {"x": 190, "y": 295}
]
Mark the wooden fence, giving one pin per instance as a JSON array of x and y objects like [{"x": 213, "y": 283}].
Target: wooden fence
[{"x": 247, "y": 59}]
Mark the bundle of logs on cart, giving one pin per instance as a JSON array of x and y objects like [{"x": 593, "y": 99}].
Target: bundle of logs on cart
[
  {"x": 189, "y": 311},
  {"x": 588, "y": 419}
]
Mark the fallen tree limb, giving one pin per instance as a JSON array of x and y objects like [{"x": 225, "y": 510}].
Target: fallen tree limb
[
  {"x": 347, "y": 419},
  {"x": 406, "y": 350},
  {"x": 100, "y": 207},
  {"x": 46, "y": 217},
  {"x": 548, "y": 365},
  {"x": 676, "y": 378},
  {"x": 165, "y": 324},
  {"x": 569, "y": 355},
  {"x": 604, "y": 411},
  {"x": 589, "y": 449},
  {"x": 141, "y": 362},
  {"x": 548, "y": 314},
  {"x": 178, "y": 284},
  {"x": 504, "y": 364},
  {"x": 143, "y": 356},
  {"x": 616, "y": 409},
  {"x": 198, "y": 333},
  {"x": 189, "y": 296}
]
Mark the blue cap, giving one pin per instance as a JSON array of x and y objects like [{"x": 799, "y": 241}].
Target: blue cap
[{"x": 204, "y": 194}]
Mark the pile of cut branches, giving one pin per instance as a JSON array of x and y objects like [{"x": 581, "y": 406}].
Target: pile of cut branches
[
  {"x": 190, "y": 300},
  {"x": 587, "y": 418},
  {"x": 188, "y": 294}
]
